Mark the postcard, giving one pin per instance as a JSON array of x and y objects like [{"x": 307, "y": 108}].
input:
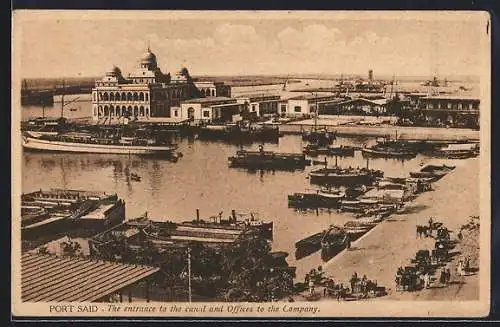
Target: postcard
[{"x": 251, "y": 164}]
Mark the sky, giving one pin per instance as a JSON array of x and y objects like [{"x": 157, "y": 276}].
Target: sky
[{"x": 400, "y": 44}]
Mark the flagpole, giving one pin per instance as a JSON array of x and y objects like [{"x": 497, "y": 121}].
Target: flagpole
[{"x": 189, "y": 274}]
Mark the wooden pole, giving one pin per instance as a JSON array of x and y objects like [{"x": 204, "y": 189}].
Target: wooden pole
[{"x": 189, "y": 274}]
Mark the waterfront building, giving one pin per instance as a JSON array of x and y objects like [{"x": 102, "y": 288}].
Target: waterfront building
[
  {"x": 210, "y": 109},
  {"x": 359, "y": 106},
  {"x": 145, "y": 93},
  {"x": 213, "y": 89},
  {"x": 305, "y": 105},
  {"x": 453, "y": 110},
  {"x": 260, "y": 104}
]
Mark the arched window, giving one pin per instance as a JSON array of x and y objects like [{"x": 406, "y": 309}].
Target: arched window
[
  {"x": 99, "y": 112},
  {"x": 129, "y": 96},
  {"x": 117, "y": 96},
  {"x": 111, "y": 110},
  {"x": 124, "y": 96},
  {"x": 213, "y": 93},
  {"x": 147, "y": 112},
  {"x": 129, "y": 111},
  {"x": 141, "y": 111},
  {"x": 207, "y": 92},
  {"x": 146, "y": 97},
  {"x": 106, "y": 111},
  {"x": 112, "y": 96},
  {"x": 99, "y": 96},
  {"x": 190, "y": 113},
  {"x": 136, "y": 96},
  {"x": 141, "y": 96},
  {"x": 124, "y": 110},
  {"x": 105, "y": 96},
  {"x": 136, "y": 111}
]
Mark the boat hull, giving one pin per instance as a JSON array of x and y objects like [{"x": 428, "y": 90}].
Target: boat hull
[
  {"x": 388, "y": 154},
  {"x": 334, "y": 179},
  {"x": 59, "y": 146}
]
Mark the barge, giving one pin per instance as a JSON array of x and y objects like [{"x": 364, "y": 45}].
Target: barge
[
  {"x": 314, "y": 150},
  {"x": 344, "y": 176},
  {"x": 390, "y": 149},
  {"x": 49, "y": 214},
  {"x": 240, "y": 132},
  {"x": 268, "y": 160}
]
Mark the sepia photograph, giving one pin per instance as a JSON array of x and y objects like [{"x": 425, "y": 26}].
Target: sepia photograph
[{"x": 250, "y": 163}]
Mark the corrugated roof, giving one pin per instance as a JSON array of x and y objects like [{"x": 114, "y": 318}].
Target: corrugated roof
[{"x": 46, "y": 278}]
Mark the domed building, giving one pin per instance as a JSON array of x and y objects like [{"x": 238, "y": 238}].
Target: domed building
[{"x": 145, "y": 93}]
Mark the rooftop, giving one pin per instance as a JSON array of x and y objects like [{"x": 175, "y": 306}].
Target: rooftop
[
  {"x": 208, "y": 100},
  {"x": 451, "y": 97},
  {"x": 47, "y": 278},
  {"x": 313, "y": 96}
]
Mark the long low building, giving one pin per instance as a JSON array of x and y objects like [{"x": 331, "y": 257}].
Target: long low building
[{"x": 48, "y": 278}]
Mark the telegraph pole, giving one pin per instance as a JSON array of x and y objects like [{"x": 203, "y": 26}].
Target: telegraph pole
[{"x": 189, "y": 273}]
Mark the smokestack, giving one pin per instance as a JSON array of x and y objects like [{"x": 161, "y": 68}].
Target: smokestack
[
  {"x": 370, "y": 75},
  {"x": 233, "y": 213},
  {"x": 197, "y": 215}
]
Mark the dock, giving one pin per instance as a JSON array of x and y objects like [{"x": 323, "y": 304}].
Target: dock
[{"x": 380, "y": 262}]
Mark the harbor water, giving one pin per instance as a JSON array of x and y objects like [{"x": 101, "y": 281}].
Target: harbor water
[{"x": 202, "y": 179}]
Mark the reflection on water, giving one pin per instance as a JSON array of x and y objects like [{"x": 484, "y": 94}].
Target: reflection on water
[{"x": 201, "y": 179}]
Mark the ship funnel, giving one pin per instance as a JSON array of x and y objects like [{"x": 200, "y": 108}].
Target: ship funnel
[
  {"x": 197, "y": 215},
  {"x": 233, "y": 213}
]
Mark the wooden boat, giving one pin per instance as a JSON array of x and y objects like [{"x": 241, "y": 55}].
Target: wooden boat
[
  {"x": 321, "y": 137},
  {"x": 334, "y": 240},
  {"x": 356, "y": 232},
  {"x": 432, "y": 171},
  {"x": 268, "y": 160},
  {"x": 344, "y": 176}
]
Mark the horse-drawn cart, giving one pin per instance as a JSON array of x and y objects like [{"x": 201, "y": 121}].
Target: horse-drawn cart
[{"x": 408, "y": 279}]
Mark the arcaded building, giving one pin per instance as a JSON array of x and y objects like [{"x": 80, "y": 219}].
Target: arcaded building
[{"x": 145, "y": 93}]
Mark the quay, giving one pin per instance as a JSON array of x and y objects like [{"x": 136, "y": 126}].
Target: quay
[
  {"x": 403, "y": 132},
  {"x": 393, "y": 243}
]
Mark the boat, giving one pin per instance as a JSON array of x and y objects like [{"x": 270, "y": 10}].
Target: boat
[
  {"x": 458, "y": 151},
  {"x": 321, "y": 137},
  {"x": 90, "y": 143},
  {"x": 322, "y": 198},
  {"x": 268, "y": 160},
  {"x": 390, "y": 149},
  {"x": 241, "y": 131},
  {"x": 334, "y": 240},
  {"x": 344, "y": 176},
  {"x": 435, "y": 172},
  {"x": 47, "y": 214},
  {"x": 338, "y": 150},
  {"x": 356, "y": 232},
  {"x": 308, "y": 245}
]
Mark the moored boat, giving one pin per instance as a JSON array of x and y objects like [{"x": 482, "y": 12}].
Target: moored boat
[
  {"x": 89, "y": 143},
  {"x": 268, "y": 160},
  {"x": 434, "y": 172},
  {"x": 323, "y": 198},
  {"x": 337, "y": 150},
  {"x": 334, "y": 240},
  {"x": 344, "y": 176},
  {"x": 390, "y": 149}
]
